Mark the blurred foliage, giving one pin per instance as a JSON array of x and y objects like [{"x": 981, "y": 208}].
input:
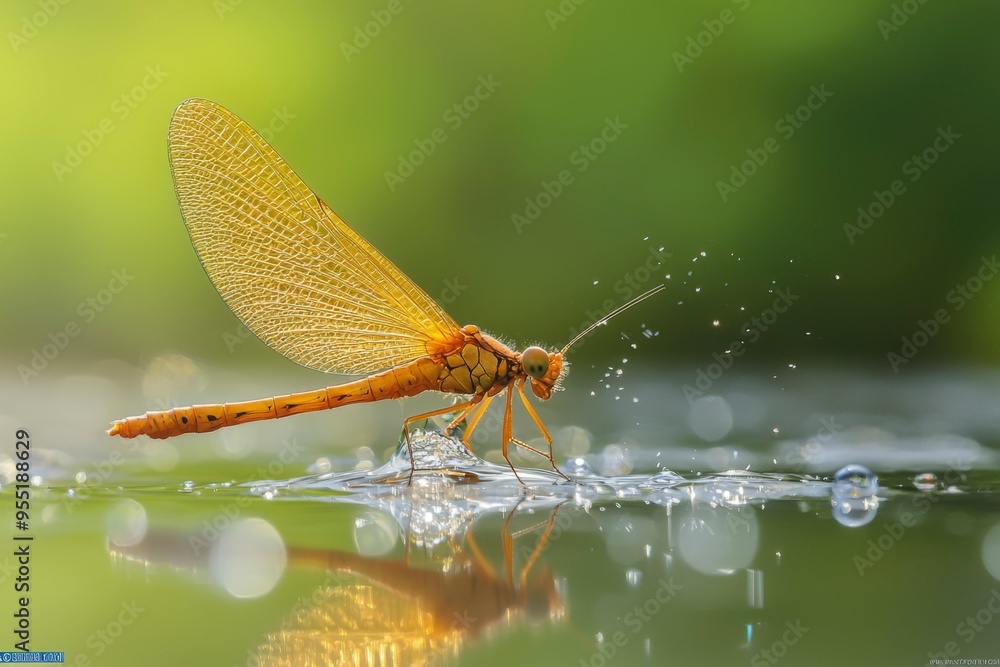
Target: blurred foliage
[{"x": 343, "y": 110}]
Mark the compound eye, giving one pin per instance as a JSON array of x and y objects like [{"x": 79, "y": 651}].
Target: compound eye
[{"x": 535, "y": 362}]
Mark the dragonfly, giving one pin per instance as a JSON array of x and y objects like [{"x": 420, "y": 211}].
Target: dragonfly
[{"x": 310, "y": 287}]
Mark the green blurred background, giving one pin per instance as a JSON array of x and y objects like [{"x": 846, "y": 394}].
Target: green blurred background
[{"x": 342, "y": 118}]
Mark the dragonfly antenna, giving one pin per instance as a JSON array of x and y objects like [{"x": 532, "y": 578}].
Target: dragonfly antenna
[{"x": 617, "y": 311}]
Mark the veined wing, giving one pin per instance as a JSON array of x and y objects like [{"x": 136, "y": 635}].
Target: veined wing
[{"x": 288, "y": 266}]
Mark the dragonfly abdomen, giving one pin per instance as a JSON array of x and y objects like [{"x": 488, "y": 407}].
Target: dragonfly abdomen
[{"x": 407, "y": 380}]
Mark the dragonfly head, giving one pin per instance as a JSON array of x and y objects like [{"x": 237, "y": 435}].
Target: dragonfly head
[{"x": 544, "y": 370}]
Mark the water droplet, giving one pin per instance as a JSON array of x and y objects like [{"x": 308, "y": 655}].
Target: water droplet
[
  {"x": 633, "y": 346},
  {"x": 856, "y": 481},
  {"x": 595, "y": 282},
  {"x": 633, "y": 576},
  {"x": 792, "y": 366},
  {"x": 715, "y": 323},
  {"x": 619, "y": 372},
  {"x": 926, "y": 481},
  {"x": 837, "y": 276},
  {"x": 635, "y": 400},
  {"x": 579, "y": 467},
  {"x": 702, "y": 253}
]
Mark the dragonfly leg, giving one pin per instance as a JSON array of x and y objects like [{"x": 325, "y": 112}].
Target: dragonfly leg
[
  {"x": 507, "y": 539},
  {"x": 474, "y": 420},
  {"x": 426, "y": 415},
  {"x": 507, "y": 432},
  {"x": 470, "y": 406},
  {"x": 542, "y": 541},
  {"x": 541, "y": 427},
  {"x": 481, "y": 561}
]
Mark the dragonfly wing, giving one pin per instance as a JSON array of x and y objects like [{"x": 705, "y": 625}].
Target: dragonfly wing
[{"x": 288, "y": 266}]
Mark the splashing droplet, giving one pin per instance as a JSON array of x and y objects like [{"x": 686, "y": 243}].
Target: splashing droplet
[
  {"x": 666, "y": 477},
  {"x": 578, "y": 467},
  {"x": 854, "y": 499},
  {"x": 926, "y": 481},
  {"x": 855, "y": 480}
]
